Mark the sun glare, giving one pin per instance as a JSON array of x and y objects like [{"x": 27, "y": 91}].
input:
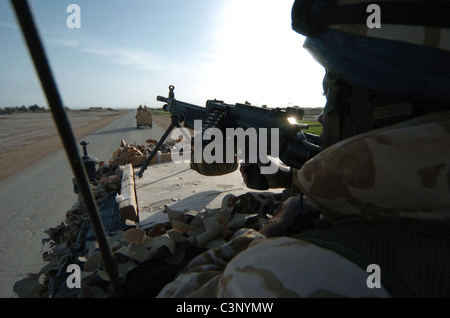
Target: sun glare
[{"x": 258, "y": 58}]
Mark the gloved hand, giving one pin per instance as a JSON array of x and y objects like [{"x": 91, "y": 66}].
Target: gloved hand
[
  {"x": 294, "y": 213},
  {"x": 280, "y": 179},
  {"x": 283, "y": 218}
]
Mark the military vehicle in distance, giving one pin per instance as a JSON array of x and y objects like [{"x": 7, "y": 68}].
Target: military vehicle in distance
[{"x": 143, "y": 117}]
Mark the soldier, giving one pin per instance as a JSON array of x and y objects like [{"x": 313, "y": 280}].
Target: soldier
[{"x": 382, "y": 184}]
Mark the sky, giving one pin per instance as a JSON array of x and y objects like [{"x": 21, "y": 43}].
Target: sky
[{"x": 125, "y": 53}]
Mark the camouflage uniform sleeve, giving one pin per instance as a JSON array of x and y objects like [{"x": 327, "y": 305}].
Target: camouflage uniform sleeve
[
  {"x": 398, "y": 171},
  {"x": 202, "y": 276},
  {"x": 250, "y": 266}
]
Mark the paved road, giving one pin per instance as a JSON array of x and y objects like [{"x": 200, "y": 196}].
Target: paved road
[{"x": 38, "y": 197}]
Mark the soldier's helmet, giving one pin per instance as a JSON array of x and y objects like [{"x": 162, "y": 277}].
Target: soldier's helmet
[{"x": 398, "y": 48}]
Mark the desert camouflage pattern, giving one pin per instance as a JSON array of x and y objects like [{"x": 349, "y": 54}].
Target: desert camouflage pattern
[
  {"x": 250, "y": 265},
  {"x": 401, "y": 171},
  {"x": 398, "y": 171}
]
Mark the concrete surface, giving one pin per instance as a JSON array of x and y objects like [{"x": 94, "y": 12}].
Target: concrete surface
[{"x": 181, "y": 188}]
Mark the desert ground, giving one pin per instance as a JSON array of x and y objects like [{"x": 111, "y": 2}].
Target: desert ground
[{"x": 28, "y": 137}]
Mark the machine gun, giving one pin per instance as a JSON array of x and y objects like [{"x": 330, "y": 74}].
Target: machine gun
[{"x": 295, "y": 146}]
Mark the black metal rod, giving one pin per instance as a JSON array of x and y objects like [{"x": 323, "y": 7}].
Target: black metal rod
[
  {"x": 62, "y": 123},
  {"x": 158, "y": 146}
]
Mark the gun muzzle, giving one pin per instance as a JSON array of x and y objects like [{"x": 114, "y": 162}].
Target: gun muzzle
[{"x": 166, "y": 107}]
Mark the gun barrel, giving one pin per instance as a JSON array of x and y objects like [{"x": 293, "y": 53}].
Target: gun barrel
[{"x": 162, "y": 99}]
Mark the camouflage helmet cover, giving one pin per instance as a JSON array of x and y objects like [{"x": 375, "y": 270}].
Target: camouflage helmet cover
[{"x": 408, "y": 56}]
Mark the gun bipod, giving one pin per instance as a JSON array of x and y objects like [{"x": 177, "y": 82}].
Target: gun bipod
[{"x": 174, "y": 123}]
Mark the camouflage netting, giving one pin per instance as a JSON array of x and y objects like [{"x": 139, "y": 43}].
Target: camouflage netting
[
  {"x": 149, "y": 249},
  {"x": 64, "y": 239}
]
